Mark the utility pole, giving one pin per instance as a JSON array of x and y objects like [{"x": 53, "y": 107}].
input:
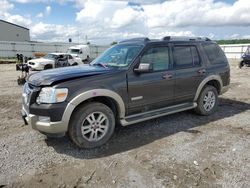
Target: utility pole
[
  {"x": 78, "y": 37},
  {"x": 86, "y": 39}
]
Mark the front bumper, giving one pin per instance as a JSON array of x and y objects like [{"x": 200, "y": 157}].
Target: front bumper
[
  {"x": 49, "y": 127},
  {"x": 36, "y": 66}
]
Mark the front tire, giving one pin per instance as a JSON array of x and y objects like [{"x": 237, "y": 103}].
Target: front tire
[
  {"x": 208, "y": 101},
  {"x": 48, "y": 66},
  {"x": 241, "y": 64},
  {"x": 91, "y": 125}
]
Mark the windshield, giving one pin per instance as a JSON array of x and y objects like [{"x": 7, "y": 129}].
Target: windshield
[
  {"x": 50, "y": 56},
  {"x": 73, "y": 51},
  {"x": 120, "y": 55}
]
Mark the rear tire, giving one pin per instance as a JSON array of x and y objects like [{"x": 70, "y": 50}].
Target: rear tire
[
  {"x": 91, "y": 125},
  {"x": 207, "y": 102}
]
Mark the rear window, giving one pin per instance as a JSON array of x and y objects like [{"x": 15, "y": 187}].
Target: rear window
[
  {"x": 186, "y": 56},
  {"x": 214, "y": 54}
]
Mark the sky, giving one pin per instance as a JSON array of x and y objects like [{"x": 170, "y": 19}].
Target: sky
[{"x": 104, "y": 21}]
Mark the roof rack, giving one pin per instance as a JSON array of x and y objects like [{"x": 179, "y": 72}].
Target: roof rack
[
  {"x": 141, "y": 39},
  {"x": 182, "y": 38}
]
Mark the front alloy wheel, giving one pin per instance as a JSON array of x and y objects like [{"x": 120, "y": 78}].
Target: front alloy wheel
[
  {"x": 95, "y": 126},
  {"x": 91, "y": 125}
]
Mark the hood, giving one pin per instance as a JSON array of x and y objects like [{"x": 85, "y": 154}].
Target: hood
[
  {"x": 41, "y": 60},
  {"x": 48, "y": 77}
]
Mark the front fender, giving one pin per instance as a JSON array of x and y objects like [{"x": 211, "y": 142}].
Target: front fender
[{"x": 91, "y": 94}]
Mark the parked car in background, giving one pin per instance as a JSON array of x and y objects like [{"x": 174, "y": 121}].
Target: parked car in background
[
  {"x": 81, "y": 51},
  {"x": 133, "y": 81},
  {"x": 245, "y": 58},
  {"x": 53, "y": 60}
]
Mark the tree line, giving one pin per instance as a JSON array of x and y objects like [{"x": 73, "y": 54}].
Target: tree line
[{"x": 234, "y": 41}]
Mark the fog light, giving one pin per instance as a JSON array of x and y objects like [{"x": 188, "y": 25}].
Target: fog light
[{"x": 44, "y": 118}]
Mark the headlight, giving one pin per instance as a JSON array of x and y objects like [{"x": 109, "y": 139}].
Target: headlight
[{"x": 51, "y": 95}]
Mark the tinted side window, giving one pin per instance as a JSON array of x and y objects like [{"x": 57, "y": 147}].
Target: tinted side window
[
  {"x": 186, "y": 56},
  {"x": 158, "y": 56},
  {"x": 214, "y": 53}
]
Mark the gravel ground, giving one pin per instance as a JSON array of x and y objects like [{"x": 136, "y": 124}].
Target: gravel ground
[{"x": 180, "y": 150}]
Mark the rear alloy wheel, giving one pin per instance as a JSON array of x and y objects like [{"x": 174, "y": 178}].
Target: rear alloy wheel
[
  {"x": 208, "y": 101},
  {"x": 91, "y": 125}
]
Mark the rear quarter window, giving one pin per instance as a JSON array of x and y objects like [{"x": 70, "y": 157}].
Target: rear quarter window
[
  {"x": 215, "y": 54},
  {"x": 186, "y": 56}
]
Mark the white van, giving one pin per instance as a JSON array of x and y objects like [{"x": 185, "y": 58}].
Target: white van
[{"x": 81, "y": 51}]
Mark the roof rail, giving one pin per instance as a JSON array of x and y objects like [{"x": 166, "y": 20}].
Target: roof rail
[
  {"x": 183, "y": 38},
  {"x": 141, "y": 39}
]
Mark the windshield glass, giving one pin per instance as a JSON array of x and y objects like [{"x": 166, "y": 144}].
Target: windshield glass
[
  {"x": 73, "y": 51},
  {"x": 50, "y": 56},
  {"x": 120, "y": 55}
]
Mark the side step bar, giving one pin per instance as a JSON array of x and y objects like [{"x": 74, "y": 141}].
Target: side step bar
[{"x": 156, "y": 113}]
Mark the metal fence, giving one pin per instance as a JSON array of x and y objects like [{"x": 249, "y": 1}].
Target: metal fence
[
  {"x": 234, "y": 51},
  {"x": 28, "y": 49},
  {"x": 10, "y": 49}
]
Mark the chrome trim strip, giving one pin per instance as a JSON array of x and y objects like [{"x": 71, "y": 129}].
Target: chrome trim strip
[
  {"x": 125, "y": 123},
  {"x": 136, "y": 98},
  {"x": 203, "y": 83}
]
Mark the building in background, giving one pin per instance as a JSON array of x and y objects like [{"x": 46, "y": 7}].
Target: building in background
[{"x": 13, "y": 32}]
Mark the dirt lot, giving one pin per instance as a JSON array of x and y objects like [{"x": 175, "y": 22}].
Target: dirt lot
[{"x": 180, "y": 150}]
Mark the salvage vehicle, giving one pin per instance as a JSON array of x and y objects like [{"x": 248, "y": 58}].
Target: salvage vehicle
[
  {"x": 134, "y": 81},
  {"x": 52, "y": 60},
  {"x": 245, "y": 58}
]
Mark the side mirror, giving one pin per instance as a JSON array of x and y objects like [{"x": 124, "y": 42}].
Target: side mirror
[
  {"x": 144, "y": 68},
  {"x": 80, "y": 52}
]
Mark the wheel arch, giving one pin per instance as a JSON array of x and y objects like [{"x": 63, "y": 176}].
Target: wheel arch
[
  {"x": 213, "y": 80},
  {"x": 104, "y": 96}
]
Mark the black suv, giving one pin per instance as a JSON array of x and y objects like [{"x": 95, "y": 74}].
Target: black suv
[{"x": 133, "y": 81}]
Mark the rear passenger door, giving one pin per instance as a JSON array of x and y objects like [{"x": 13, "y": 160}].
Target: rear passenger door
[{"x": 189, "y": 71}]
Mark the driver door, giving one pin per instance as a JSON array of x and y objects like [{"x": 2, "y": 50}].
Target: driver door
[{"x": 152, "y": 90}]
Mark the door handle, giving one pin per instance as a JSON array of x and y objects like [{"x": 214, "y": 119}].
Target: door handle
[
  {"x": 201, "y": 71},
  {"x": 167, "y": 76}
]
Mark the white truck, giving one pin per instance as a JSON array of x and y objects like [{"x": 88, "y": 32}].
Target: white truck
[{"x": 81, "y": 51}]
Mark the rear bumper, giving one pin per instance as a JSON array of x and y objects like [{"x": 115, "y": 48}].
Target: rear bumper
[{"x": 44, "y": 126}]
